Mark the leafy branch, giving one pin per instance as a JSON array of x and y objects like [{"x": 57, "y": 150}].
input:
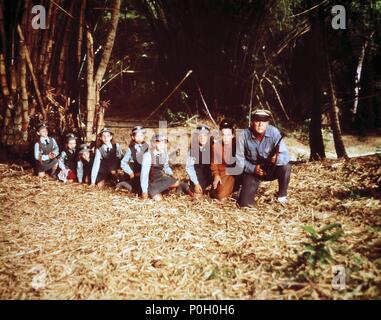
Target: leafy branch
[{"x": 319, "y": 249}]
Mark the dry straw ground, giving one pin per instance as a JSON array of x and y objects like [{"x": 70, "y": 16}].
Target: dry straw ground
[{"x": 68, "y": 241}]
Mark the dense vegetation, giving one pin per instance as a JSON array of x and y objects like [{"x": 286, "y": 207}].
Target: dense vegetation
[{"x": 280, "y": 55}]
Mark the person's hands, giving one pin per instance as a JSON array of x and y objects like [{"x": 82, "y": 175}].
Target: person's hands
[
  {"x": 274, "y": 159},
  {"x": 217, "y": 180},
  {"x": 258, "y": 171},
  {"x": 198, "y": 189},
  {"x": 132, "y": 175},
  {"x": 144, "y": 196},
  {"x": 51, "y": 155}
]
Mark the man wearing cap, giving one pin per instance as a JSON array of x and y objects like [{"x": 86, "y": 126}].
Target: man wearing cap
[
  {"x": 256, "y": 144},
  {"x": 107, "y": 159},
  {"x": 132, "y": 160},
  {"x": 198, "y": 160},
  {"x": 156, "y": 175},
  {"x": 45, "y": 152},
  {"x": 84, "y": 164},
  {"x": 223, "y": 162}
]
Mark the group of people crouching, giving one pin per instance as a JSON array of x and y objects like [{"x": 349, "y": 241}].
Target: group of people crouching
[{"x": 215, "y": 166}]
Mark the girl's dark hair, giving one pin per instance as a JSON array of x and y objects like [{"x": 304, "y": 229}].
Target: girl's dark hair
[
  {"x": 99, "y": 141},
  {"x": 79, "y": 155},
  {"x": 132, "y": 142},
  {"x": 194, "y": 143}
]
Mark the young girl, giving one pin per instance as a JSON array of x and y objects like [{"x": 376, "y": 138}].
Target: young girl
[
  {"x": 68, "y": 160},
  {"x": 84, "y": 164},
  {"x": 198, "y": 161},
  {"x": 223, "y": 159},
  {"x": 45, "y": 152},
  {"x": 156, "y": 175},
  {"x": 106, "y": 160},
  {"x": 132, "y": 160}
]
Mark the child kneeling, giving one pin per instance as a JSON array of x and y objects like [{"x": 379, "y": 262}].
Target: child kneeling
[
  {"x": 45, "y": 152},
  {"x": 107, "y": 160},
  {"x": 68, "y": 160},
  {"x": 156, "y": 175},
  {"x": 132, "y": 161}
]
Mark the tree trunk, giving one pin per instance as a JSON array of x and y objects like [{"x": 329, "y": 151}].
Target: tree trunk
[
  {"x": 31, "y": 71},
  {"x": 13, "y": 81},
  {"x": 45, "y": 37},
  {"x": 358, "y": 75},
  {"x": 46, "y": 79},
  {"x": 109, "y": 43},
  {"x": 2, "y": 30},
  {"x": 7, "y": 100},
  {"x": 80, "y": 32},
  {"x": 316, "y": 142},
  {"x": 23, "y": 95},
  {"x": 90, "y": 102},
  {"x": 3, "y": 79},
  {"x": 94, "y": 84},
  {"x": 333, "y": 108},
  {"x": 64, "y": 50},
  {"x": 3, "y": 73}
]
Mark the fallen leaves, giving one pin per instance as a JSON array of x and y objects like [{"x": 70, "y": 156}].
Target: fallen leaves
[{"x": 63, "y": 241}]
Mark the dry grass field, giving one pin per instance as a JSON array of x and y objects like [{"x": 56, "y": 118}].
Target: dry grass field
[{"x": 70, "y": 241}]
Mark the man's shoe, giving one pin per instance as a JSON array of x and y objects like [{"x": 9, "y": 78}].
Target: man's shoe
[{"x": 282, "y": 200}]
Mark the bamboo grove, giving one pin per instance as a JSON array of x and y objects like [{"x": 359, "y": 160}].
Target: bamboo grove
[
  {"x": 279, "y": 55},
  {"x": 41, "y": 70}
]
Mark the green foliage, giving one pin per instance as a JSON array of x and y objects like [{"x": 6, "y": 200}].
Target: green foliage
[
  {"x": 377, "y": 5},
  {"x": 171, "y": 116},
  {"x": 301, "y": 157},
  {"x": 319, "y": 249},
  {"x": 130, "y": 15}
]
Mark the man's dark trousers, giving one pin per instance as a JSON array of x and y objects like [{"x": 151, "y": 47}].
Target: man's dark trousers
[{"x": 250, "y": 184}]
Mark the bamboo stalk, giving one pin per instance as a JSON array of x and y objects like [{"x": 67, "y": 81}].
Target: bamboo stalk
[
  {"x": 333, "y": 108},
  {"x": 206, "y": 106},
  {"x": 90, "y": 102},
  {"x": 7, "y": 100},
  {"x": 24, "y": 95},
  {"x": 278, "y": 97},
  {"x": 45, "y": 38},
  {"x": 101, "y": 111},
  {"x": 109, "y": 43},
  {"x": 170, "y": 95},
  {"x": 358, "y": 74},
  {"x": 49, "y": 51},
  {"x": 251, "y": 101},
  {"x": 80, "y": 32},
  {"x": 3, "y": 78},
  {"x": 64, "y": 49},
  {"x": 94, "y": 82},
  {"x": 31, "y": 71},
  {"x": 2, "y": 30},
  {"x": 13, "y": 81}
]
